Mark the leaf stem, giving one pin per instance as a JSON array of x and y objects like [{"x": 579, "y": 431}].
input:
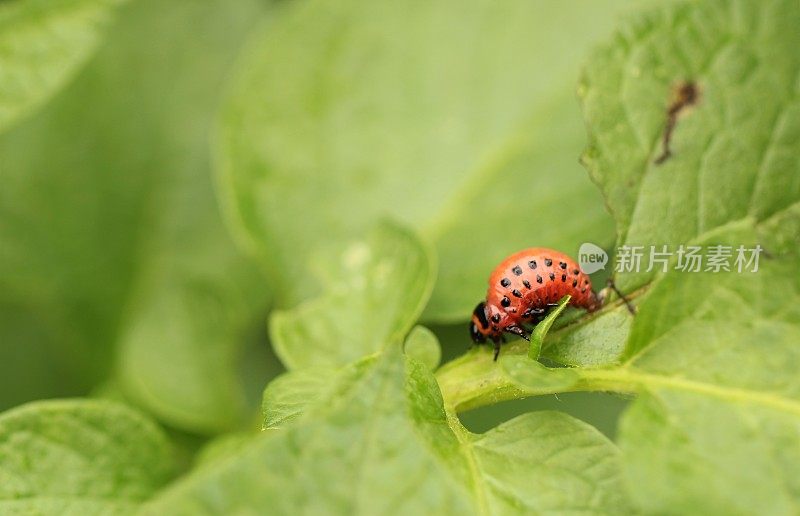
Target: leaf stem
[{"x": 474, "y": 380}]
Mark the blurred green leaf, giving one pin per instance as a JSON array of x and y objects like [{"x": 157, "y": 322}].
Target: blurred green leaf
[
  {"x": 79, "y": 457},
  {"x": 221, "y": 447},
  {"x": 375, "y": 291},
  {"x": 42, "y": 45},
  {"x": 735, "y": 154},
  {"x": 449, "y": 117},
  {"x": 111, "y": 245},
  {"x": 423, "y": 346},
  {"x": 195, "y": 297},
  {"x": 385, "y": 447}
]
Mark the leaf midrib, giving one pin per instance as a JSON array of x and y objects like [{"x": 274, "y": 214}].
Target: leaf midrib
[
  {"x": 463, "y": 436},
  {"x": 629, "y": 379}
]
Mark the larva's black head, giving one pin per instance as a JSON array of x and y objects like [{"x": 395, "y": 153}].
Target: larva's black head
[
  {"x": 479, "y": 326},
  {"x": 476, "y": 335}
]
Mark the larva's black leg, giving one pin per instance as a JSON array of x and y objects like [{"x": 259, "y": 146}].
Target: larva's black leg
[
  {"x": 516, "y": 330},
  {"x": 610, "y": 284},
  {"x": 532, "y": 313},
  {"x": 496, "y": 349}
]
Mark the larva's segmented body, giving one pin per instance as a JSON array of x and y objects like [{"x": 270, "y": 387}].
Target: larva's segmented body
[{"x": 522, "y": 288}]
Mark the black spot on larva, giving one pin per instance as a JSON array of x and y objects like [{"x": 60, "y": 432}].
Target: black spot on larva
[
  {"x": 563, "y": 278},
  {"x": 526, "y": 283},
  {"x": 583, "y": 290},
  {"x": 548, "y": 262},
  {"x": 586, "y": 282},
  {"x": 496, "y": 318},
  {"x": 517, "y": 270},
  {"x": 552, "y": 277},
  {"x": 574, "y": 283},
  {"x": 562, "y": 265},
  {"x": 505, "y": 302},
  {"x": 516, "y": 293},
  {"x": 505, "y": 282},
  {"x": 538, "y": 279},
  {"x": 576, "y": 272},
  {"x": 532, "y": 264}
]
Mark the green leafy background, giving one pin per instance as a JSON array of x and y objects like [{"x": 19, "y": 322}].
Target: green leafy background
[{"x": 211, "y": 207}]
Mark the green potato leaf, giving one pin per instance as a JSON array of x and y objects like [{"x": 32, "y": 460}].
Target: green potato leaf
[
  {"x": 376, "y": 289},
  {"x": 385, "y": 445},
  {"x": 735, "y": 153},
  {"x": 290, "y": 394},
  {"x": 423, "y": 346},
  {"x": 43, "y": 43},
  {"x": 549, "y": 462},
  {"x": 716, "y": 427},
  {"x": 722, "y": 395},
  {"x": 711, "y": 456},
  {"x": 80, "y": 457},
  {"x": 592, "y": 340}
]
